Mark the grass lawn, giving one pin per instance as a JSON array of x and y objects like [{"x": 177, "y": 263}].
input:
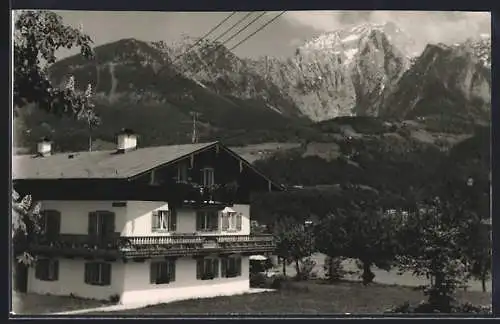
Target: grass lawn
[
  {"x": 33, "y": 304},
  {"x": 305, "y": 298}
]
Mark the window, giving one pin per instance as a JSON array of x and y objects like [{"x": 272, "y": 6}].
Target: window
[
  {"x": 101, "y": 224},
  {"x": 98, "y": 273},
  {"x": 207, "y": 269},
  {"x": 182, "y": 172},
  {"x": 207, "y": 177},
  {"x": 47, "y": 270},
  {"x": 164, "y": 220},
  {"x": 162, "y": 272},
  {"x": 207, "y": 220},
  {"x": 231, "y": 267},
  {"x": 51, "y": 223},
  {"x": 231, "y": 221}
]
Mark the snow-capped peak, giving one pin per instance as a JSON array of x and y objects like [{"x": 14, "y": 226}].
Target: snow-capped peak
[{"x": 350, "y": 38}]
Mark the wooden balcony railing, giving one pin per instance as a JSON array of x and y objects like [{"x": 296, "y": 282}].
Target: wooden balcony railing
[{"x": 147, "y": 246}]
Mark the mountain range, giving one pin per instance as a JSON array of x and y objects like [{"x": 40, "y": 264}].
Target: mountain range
[{"x": 365, "y": 71}]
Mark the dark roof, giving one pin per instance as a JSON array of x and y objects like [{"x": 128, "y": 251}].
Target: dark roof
[{"x": 99, "y": 164}]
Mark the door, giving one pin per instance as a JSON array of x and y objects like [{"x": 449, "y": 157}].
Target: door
[{"x": 20, "y": 277}]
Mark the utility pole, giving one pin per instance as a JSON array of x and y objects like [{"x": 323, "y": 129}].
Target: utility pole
[{"x": 194, "y": 136}]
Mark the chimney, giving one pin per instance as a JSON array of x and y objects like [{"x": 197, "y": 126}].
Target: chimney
[
  {"x": 44, "y": 147},
  {"x": 127, "y": 140}
]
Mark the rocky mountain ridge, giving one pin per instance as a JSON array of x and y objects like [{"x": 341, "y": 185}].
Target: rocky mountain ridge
[{"x": 348, "y": 72}]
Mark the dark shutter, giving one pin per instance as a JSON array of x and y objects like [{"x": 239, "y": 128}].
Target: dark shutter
[
  {"x": 225, "y": 221},
  {"x": 88, "y": 270},
  {"x": 173, "y": 220},
  {"x": 199, "y": 268},
  {"x": 171, "y": 270},
  {"x": 214, "y": 220},
  {"x": 92, "y": 226},
  {"x": 238, "y": 266},
  {"x": 52, "y": 223},
  {"x": 153, "y": 273},
  {"x": 56, "y": 222},
  {"x": 238, "y": 221},
  {"x": 155, "y": 220},
  {"x": 223, "y": 267},
  {"x": 199, "y": 220},
  {"x": 215, "y": 268},
  {"x": 39, "y": 269},
  {"x": 56, "y": 270},
  {"x": 106, "y": 274},
  {"x": 109, "y": 223}
]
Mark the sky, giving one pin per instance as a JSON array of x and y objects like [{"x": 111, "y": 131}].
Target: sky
[{"x": 281, "y": 37}]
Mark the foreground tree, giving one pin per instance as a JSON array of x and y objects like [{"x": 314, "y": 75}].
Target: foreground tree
[
  {"x": 361, "y": 233},
  {"x": 37, "y": 37},
  {"x": 294, "y": 242},
  {"x": 432, "y": 249}
]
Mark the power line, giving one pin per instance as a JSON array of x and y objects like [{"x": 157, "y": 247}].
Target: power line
[
  {"x": 233, "y": 26},
  {"x": 237, "y": 33},
  {"x": 259, "y": 29},
  {"x": 230, "y": 38},
  {"x": 244, "y": 27},
  {"x": 192, "y": 46},
  {"x": 204, "y": 36}
]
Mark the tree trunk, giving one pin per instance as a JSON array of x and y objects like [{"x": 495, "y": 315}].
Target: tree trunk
[
  {"x": 297, "y": 269},
  {"x": 367, "y": 275},
  {"x": 483, "y": 282},
  {"x": 284, "y": 266}
]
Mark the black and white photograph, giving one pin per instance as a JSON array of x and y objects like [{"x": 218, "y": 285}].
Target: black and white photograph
[{"x": 251, "y": 163}]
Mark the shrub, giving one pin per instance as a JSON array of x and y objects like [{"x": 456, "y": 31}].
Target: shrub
[
  {"x": 114, "y": 298},
  {"x": 278, "y": 281},
  {"x": 257, "y": 280},
  {"x": 334, "y": 271},
  {"x": 306, "y": 267},
  {"x": 425, "y": 307}
]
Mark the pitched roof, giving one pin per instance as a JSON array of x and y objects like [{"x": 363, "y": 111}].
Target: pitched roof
[{"x": 99, "y": 164}]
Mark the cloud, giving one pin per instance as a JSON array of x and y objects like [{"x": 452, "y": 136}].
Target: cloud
[{"x": 424, "y": 26}]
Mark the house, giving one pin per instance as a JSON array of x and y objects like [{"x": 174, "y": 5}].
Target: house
[{"x": 142, "y": 225}]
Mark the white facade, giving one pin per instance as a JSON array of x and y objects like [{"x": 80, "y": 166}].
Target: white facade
[{"x": 131, "y": 280}]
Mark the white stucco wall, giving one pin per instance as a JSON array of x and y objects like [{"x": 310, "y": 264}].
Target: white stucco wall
[
  {"x": 139, "y": 218},
  {"x": 135, "y": 218},
  {"x": 138, "y": 290},
  {"x": 72, "y": 281},
  {"x": 74, "y": 214}
]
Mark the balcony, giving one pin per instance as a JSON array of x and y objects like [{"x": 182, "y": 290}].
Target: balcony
[
  {"x": 69, "y": 245},
  {"x": 193, "y": 194}
]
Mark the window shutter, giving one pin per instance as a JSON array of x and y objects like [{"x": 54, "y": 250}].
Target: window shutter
[
  {"x": 92, "y": 228},
  {"x": 171, "y": 270},
  {"x": 106, "y": 273},
  {"x": 57, "y": 222},
  {"x": 225, "y": 221},
  {"x": 214, "y": 220},
  {"x": 199, "y": 268},
  {"x": 238, "y": 266},
  {"x": 216, "y": 268},
  {"x": 88, "y": 271},
  {"x": 56, "y": 270},
  {"x": 173, "y": 220},
  {"x": 238, "y": 221},
  {"x": 38, "y": 269},
  {"x": 109, "y": 223},
  {"x": 153, "y": 272},
  {"x": 155, "y": 219},
  {"x": 199, "y": 216},
  {"x": 223, "y": 268}
]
